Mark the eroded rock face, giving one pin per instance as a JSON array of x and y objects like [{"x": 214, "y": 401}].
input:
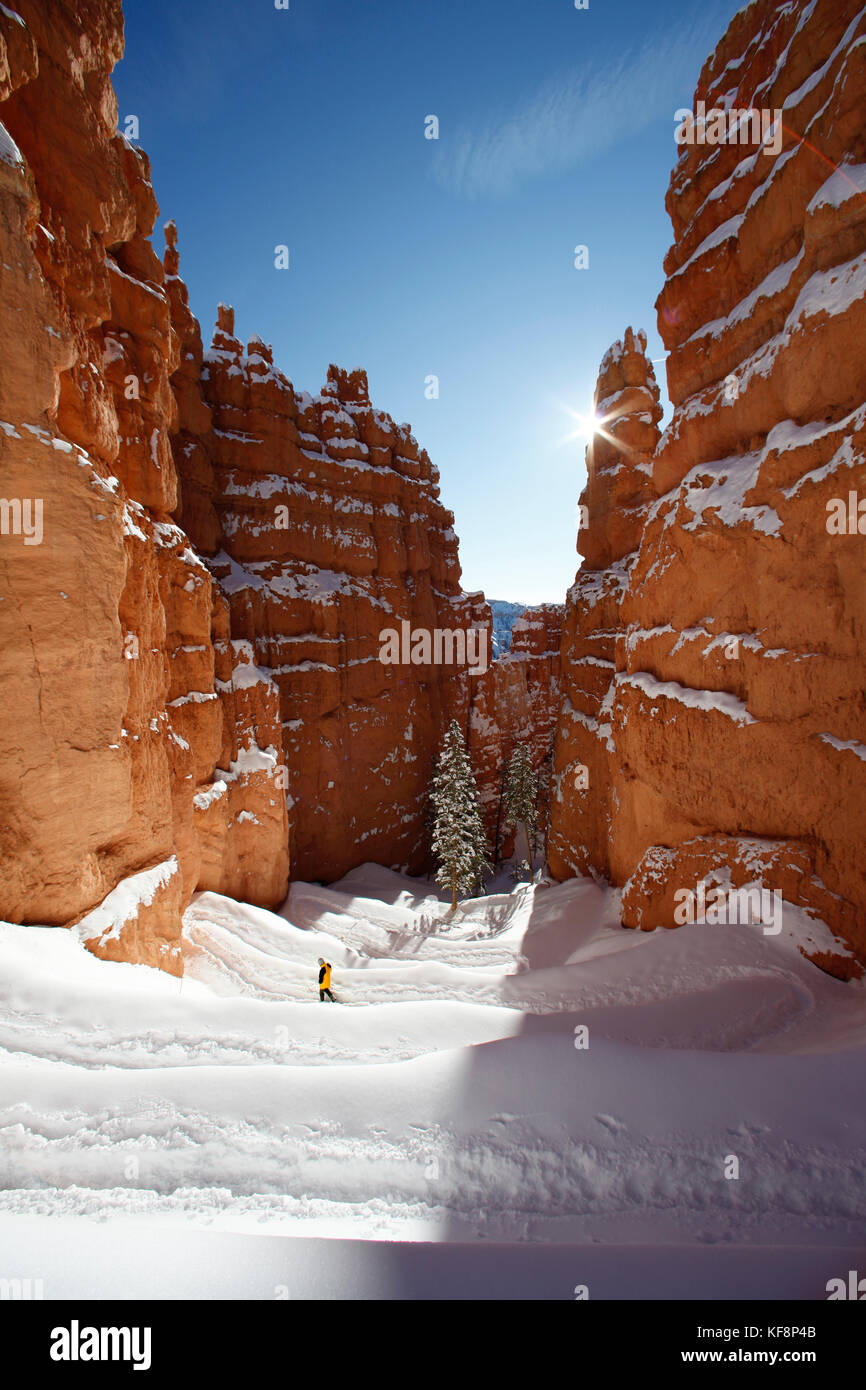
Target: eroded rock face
[
  {"x": 125, "y": 706},
  {"x": 587, "y": 774},
  {"x": 737, "y": 713},
  {"x": 323, "y": 525},
  {"x": 516, "y": 701},
  {"x": 332, "y": 533},
  {"x": 199, "y": 564}
]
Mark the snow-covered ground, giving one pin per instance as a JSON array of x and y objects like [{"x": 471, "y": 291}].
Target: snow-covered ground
[{"x": 168, "y": 1131}]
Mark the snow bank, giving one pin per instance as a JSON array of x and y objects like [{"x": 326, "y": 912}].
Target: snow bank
[{"x": 445, "y": 1100}]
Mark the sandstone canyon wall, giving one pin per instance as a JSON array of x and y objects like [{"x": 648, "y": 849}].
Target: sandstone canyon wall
[
  {"x": 190, "y": 652},
  {"x": 588, "y": 790},
  {"x": 517, "y": 701},
  {"x": 732, "y": 721},
  {"x": 322, "y": 521},
  {"x": 141, "y": 756}
]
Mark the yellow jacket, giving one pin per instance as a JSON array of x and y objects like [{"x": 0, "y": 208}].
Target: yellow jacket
[{"x": 325, "y": 976}]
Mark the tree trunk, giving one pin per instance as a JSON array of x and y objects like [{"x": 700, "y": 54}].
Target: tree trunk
[
  {"x": 499, "y": 812},
  {"x": 528, "y": 848},
  {"x": 454, "y": 891}
]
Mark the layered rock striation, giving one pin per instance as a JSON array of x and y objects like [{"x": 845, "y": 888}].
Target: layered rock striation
[
  {"x": 516, "y": 702},
  {"x": 737, "y": 718},
  {"x": 141, "y": 759},
  {"x": 322, "y": 522},
  {"x": 587, "y": 792}
]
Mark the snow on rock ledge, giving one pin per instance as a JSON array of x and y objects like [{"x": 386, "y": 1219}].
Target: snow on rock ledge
[{"x": 139, "y": 921}]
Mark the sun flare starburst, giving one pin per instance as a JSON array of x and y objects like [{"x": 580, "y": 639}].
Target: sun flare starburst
[{"x": 589, "y": 426}]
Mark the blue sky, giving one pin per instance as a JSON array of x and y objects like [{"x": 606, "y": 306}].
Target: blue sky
[{"x": 413, "y": 257}]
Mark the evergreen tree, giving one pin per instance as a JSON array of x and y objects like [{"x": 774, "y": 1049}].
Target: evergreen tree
[
  {"x": 459, "y": 841},
  {"x": 521, "y": 795},
  {"x": 545, "y": 776}
]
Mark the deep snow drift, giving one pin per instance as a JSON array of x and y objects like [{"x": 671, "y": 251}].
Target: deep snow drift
[{"x": 443, "y": 1100}]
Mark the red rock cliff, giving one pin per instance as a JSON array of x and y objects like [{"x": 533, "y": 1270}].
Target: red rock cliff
[
  {"x": 737, "y": 719},
  {"x": 517, "y": 701},
  {"x": 324, "y": 528},
  {"x": 143, "y": 755},
  {"x": 587, "y": 789}
]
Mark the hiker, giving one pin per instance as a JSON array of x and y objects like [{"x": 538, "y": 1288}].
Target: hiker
[{"x": 325, "y": 981}]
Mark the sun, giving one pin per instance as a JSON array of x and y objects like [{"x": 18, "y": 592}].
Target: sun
[{"x": 587, "y": 425}]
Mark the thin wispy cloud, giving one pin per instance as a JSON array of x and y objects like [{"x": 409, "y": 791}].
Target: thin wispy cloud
[{"x": 576, "y": 115}]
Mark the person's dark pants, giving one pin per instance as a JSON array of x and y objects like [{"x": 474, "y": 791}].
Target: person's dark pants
[{"x": 322, "y": 993}]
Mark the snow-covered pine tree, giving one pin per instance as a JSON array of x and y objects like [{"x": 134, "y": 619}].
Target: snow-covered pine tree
[
  {"x": 459, "y": 841},
  {"x": 521, "y": 795},
  {"x": 544, "y": 775}
]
